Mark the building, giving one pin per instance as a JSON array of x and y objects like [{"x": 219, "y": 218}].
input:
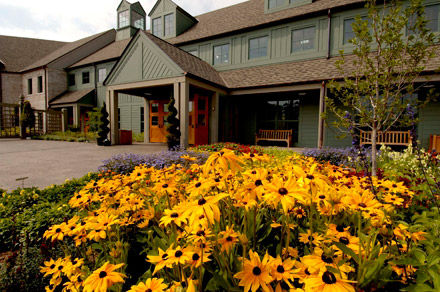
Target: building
[{"x": 260, "y": 64}]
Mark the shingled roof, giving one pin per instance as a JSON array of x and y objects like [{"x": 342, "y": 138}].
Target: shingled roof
[
  {"x": 16, "y": 53},
  {"x": 112, "y": 51},
  {"x": 299, "y": 72},
  {"x": 71, "y": 96},
  {"x": 188, "y": 62},
  {"x": 63, "y": 51},
  {"x": 249, "y": 14}
]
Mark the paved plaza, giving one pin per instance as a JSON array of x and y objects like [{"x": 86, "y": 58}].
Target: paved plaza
[{"x": 52, "y": 162}]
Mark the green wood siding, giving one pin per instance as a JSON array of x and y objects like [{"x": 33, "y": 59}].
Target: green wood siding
[
  {"x": 308, "y": 125},
  {"x": 130, "y": 106},
  {"x": 183, "y": 22},
  {"x": 332, "y": 135},
  {"x": 429, "y": 123}
]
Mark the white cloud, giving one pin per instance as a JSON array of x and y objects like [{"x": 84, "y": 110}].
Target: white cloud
[{"x": 72, "y": 20}]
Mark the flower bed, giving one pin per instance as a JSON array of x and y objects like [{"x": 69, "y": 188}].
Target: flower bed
[{"x": 247, "y": 222}]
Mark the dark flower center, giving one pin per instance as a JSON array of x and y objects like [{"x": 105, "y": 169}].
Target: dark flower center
[
  {"x": 201, "y": 233},
  {"x": 202, "y": 201},
  {"x": 148, "y": 290},
  {"x": 256, "y": 271},
  {"x": 165, "y": 186},
  {"x": 79, "y": 280},
  {"x": 327, "y": 259},
  {"x": 102, "y": 274},
  {"x": 340, "y": 228},
  {"x": 229, "y": 238},
  {"x": 322, "y": 197},
  {"x": 394, "y": 186},
  {"x": 344, "y": 240},
  {"x": 178, "y": 254},
  {"x": 198, "y": 184},
  {"x": 174, "y": 215},
  {"x": 362, "y": 205},
  {"x": 52, "y": 266},
  {"x": 164, "y": 256},
  {"x": 58, "y": 230},
  {"x": 306, "y": 271},
  {"x": 254, "y": 172},
  {"x": 328, "y": 278},
  {"x": 74, "y": 262},
  {"x": 195, "y": 257},
  {"x": 282, "y": 191},
  {"x": 258, "y": 182},
  {"x": 252, "y": 155},
  {"x": 78, "y": 197},
  {"x": 60, "y": 268},
  {"x": 309, "y": 176},
  {"x": 280, "y": 269},
  {"x": 51, "y": 286}
]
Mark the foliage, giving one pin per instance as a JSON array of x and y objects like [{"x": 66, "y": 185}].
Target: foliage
[
  {"x": 94, "y": 119},
  {"x": 103, "y": 127},
  {"x": 173, "y": 136},
  {"x": 138, "y": 137},
  {"x": 379, "y": 77},
  {"x": 124, "y": 164},
  {"x": 27, "y": 118},
  {"x": 67, "y": 136},
  {"x": 248, "y": 220},
  {"x": 348, "y": 156},
  {"x": 238, "y": 148}
]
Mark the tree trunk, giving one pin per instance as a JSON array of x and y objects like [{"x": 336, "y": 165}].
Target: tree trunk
[{"x": 374, "y": 152}]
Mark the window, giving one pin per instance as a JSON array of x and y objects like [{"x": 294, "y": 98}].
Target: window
[
  {"x": 71, "y": 79},
  {"x": 221, "y": 54},
  {"x": 137, "y": 20},
  {"x": 123, "y": 19},
  {"x": 258, "y": 47},
  {"x": 169, "y": 24},
  {"x": 276, "y": 3},
  {"x": 157, "y": 26},
  {"x": 40, "y": 84},
  {"x": 142, "y": 119},
  {"x": 29, "y": 85},
  {"x": 102, "y": 74},
  {"x": 348, "y": 30},
  {"x": 85, "y": 77},
  {"x": 432, "y": 19},
  {"x": 303, "y": 39}
]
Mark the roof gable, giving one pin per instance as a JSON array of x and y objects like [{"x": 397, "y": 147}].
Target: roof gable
[
  {"x": 124, "y": 5},
  {"x": 142, "y": 60},
  {"x": 162, "y": 6}
]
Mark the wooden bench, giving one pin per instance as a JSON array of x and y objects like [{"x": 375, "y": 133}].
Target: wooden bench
[
  {"x": 400, "y": 138},
  {"x": 274, "y": 135}
]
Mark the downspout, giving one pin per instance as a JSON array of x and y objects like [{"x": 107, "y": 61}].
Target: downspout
[
  {"x": 96, "y": 84},
  {"x": 329, "y": 33},
  {"x": 46, "y": 97}
]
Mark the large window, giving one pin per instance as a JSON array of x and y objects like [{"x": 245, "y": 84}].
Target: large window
[
  {"x": 258, "y": 47},
  {"x": 85, "y": 77},
  {"x": 276, "y": 3},
  {"x": 157, "y": 27},
  {"x": 123, "y": 19},
  {"x": 348, "y": 30},
  {"x": 169, "y": 24},
  {"x": 279, "y": 114},
  {"x": 221, "y": 54},
  {"x": 40, "y": 84},
  {"x": 137, "y": 20},
  {"x": 29, "y": 86},
  {"x": 102, "y": 74},
  {"x": 71, "y": 79},
  {"x": 303, "y": 39}
]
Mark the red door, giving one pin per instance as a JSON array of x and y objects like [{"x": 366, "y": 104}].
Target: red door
[{"x": 200, "y": 120}]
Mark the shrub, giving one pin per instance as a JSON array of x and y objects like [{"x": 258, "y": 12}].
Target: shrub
[
  {"x": 238, "y": 148},
  {"x": 349, "y": 156}
]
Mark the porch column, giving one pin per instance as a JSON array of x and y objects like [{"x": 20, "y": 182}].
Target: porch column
[
  {"x": 76, "y": 115},
  {"x": 321, "y": 126},
  {"x": 112, "y": 109},
  {"x": 146, "y": 121},
  {"x": 214, "y": 118},
  {"x": 64, "y": 119},
  {"x": 183, "y": 101}
]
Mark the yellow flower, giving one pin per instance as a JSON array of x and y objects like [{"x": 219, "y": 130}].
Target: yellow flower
[
  {"x": 327, "y": 282},
  {"x": 151, "y": 285},
  {"x": 255, "y": 273},
  {"x": 103, "y": 278},
  {"x": 282, "y": 271},
  {"x": 222, "y": 160},
  {"x": 284, "y": 192},
  {"x": 228, "y": 238}
]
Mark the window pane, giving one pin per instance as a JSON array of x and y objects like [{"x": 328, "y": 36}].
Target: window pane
[
  {"x": 40, "y": 84},
  {"x": 201, "y": 120},
  {"x": 157, "y": 26},
  {"x": 123, "y": 18},
  {"x": 155, "y": 108},
  {"x": 221, "y": 54},
  {"x": 258, "y": 47},
  {"x": 202, "y": 105},
  {"x": 85, "y": 77},
  {"x": 71, "y": 79},
  {"x": 137, "y": 20},
  {"x": 169, "y": 24},
  {"x": 348, "y": 30},
  {"x": 155, "y": 121},
  {"x": 102, "y": 74},
  {"x": 165, "y": 108},
  {"x": 432, "y": 17}
]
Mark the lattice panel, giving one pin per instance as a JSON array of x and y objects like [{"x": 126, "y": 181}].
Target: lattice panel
[
  {"x": 54, "y": 121},
  {"x": 9, "y": 120}
]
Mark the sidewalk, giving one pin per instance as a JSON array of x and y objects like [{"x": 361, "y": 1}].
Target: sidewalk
[{"x": 52, "y": 162}]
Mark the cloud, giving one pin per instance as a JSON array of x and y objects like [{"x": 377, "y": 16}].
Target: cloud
[{"x": 72, "y": 20}]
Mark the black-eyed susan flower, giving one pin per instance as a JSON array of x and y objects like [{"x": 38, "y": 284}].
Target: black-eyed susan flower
[
  {"x": 172, "y": 216},
  {"x": 151, "y": 285},
  {"x": 284, "y": 192},
  {"x": 327, "y": 282},
  {"x": 228, "y": 238},
  {"x": 283, "y": 270},
  {"x": 256, "y": 273},
  {"x": 103, "y": 278}
]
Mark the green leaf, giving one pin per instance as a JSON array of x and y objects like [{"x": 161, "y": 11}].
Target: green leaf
[{"x": 347, "y": 251}]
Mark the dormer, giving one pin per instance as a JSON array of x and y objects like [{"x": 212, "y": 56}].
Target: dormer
[
  {"x": 169, "y": 20},
  {"x": 131, "y": 17},
  {"x": 278, "y": 5}
]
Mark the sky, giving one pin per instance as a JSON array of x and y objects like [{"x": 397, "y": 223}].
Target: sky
[{"x": 64, "y": 20}]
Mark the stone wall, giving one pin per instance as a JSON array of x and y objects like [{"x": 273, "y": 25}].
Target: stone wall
[{"x": 58, "y": 82}]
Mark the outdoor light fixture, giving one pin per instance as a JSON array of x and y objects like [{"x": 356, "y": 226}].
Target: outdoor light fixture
[{"x": 302, "y": 93}]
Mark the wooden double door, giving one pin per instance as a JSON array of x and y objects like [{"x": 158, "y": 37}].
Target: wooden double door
[{"x": 197, "y": 125}]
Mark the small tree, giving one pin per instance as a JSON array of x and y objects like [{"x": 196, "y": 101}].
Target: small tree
[
  {"x": 103, "y": 131},
  {"x": 94, "y": 119},
  {"x": 27, "y": 118},
  {"x": 173, "y": 136},
  {"x": 392, "y": 47}
]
